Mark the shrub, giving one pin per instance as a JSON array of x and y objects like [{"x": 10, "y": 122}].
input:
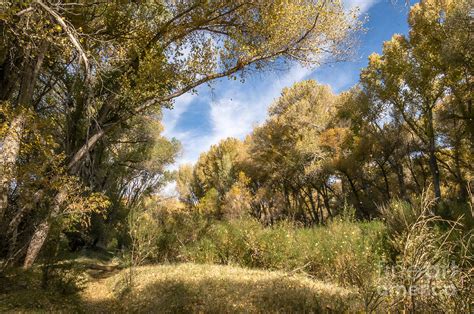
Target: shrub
[
  {"x": 344, "y": 251},
  {"x": 64, "y": 278},
  {"x": 433, "y": 268}
]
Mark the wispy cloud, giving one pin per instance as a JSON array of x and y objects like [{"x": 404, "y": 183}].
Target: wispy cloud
[
  {"x": 363, "y": 5},
  {"x": 242, "y": 107},
  {"x": 233, "y": 112}
]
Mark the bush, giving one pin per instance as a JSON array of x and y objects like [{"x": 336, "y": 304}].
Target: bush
[
  {"x": 64, "y": 278},
  {"x": 332, "y": 252},
  {"x": 24, "y": 291}
]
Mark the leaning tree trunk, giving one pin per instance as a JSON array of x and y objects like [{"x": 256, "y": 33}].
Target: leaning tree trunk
[
  {"x": 9, "y": 154},
  {"x": 12, "y": 230},
  {"x": 41, "y": 232}
]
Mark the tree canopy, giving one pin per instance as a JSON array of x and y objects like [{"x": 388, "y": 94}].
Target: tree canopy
[{"x": 80, "y": 80}]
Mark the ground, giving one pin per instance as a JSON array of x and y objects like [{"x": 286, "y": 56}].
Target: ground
[{"x": 187, "y": 288}]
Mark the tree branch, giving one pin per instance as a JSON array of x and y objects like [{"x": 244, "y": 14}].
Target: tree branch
[{"x": 71, "y": 36}]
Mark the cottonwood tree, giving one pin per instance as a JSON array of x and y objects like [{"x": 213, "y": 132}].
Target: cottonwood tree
[
  {"x": 215, "y": 172},
  {"x": 414, "y": 75},
  {"x": 286, "y": 150}
]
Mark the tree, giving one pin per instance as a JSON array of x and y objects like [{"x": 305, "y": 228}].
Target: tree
[
  {"x": 184, "y": 185},
  {"x": 414, "y": 77},
  {"x": 216, "y": 171},
  {"x": 285, "y": 156}
]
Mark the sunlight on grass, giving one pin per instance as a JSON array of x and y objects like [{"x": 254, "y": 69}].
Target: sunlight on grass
[{"x": 212, "y": 288}]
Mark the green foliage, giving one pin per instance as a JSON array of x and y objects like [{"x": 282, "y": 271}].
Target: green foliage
[
  {"x": 209, "y": 203},
  {"x": 398, "y": 217},
  {"x": 403, "y": 128},
  {"x": 143, "y": 232},
  {"x": 329, "y": 253},
  {"x": 84, "y": 84},
  {"x": 344, "y": 251},
  {"x": 237, "y": 202},
  {"x": 64, "y": 278},
  {"x": 175, "y": 228}
]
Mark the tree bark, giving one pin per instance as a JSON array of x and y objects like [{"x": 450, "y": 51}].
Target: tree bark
[
  {"x": 9, "y": 155},
  {"x": 463, "y": 188},
  {"x": 41, "y": 233},
  {"x": 36, "y": 243},
  {"x": 435, "y": 174},
  {"x": 359, "y": 206},
  {"x": 11, "y": 143},
  {"x": 433, "y": 162},
  {"x": 398, "y": 168},
  {"x": 385, "y": 178},
  {"x": 12, "y": 230}
]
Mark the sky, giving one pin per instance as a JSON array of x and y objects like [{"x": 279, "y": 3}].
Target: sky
[{"x": 232, "y": 109}]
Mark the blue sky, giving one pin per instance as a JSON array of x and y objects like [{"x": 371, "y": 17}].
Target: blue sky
[{"x": 231, "y": 108}]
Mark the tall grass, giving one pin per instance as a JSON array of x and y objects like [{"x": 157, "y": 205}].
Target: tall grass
[
  {"x": 433, "y": 268},
  {"x": 332, "y": 252}
]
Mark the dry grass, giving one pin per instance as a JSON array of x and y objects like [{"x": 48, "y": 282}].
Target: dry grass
[{"x": 213, "y": 288}]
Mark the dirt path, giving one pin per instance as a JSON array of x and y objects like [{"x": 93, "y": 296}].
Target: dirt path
[{"x": 98, "y": 295}]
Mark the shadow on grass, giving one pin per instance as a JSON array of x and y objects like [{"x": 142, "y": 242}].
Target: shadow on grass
[
  {"x": 217, "y": 295},
  {"x": 182, "y": 289}
]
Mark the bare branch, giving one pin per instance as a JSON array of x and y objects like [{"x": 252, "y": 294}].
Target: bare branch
[{"x": 71, "y": 36}]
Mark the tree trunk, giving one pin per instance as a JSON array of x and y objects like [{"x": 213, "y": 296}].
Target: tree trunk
[
  {"x": 325, "y": 195},
  {"x": 12, "y": 230},
  {"x": 401, "y": 182},
  {"x": 36, "y": 243},
  {"x": 398, "y": 167},
  {"x": 463, "y": 188},
  {"x": 433, "y": 162},
  {"x": 41, "y": 233},
  {"x": 435, "y": 174},
  {"x": 385, "y": 178},
  {"x": 11, "y": 143},
  {"x": 9, "y": 155},
  {"x": 354, "y": 190},
  {"x": 314, "y": 208}
]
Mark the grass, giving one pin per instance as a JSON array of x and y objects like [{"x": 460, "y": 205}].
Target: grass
[
  {"x": 324, "y": 252},
  {"x": 21, "y": 291},
  {"x": 190, "y": 288},
  {"x": 216, "y": 288}
]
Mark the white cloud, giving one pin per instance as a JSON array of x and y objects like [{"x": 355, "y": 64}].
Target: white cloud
[
  {"x": 363, "y": 5},
  {"x": 231, "y": 118},
  {"x": 239, "y": 109},
  {"x": 339, "y": 80},
  {"x": 233, "y": 112}
]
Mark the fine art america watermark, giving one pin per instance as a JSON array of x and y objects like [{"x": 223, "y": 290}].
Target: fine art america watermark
[{"x": 429, "y": 281}]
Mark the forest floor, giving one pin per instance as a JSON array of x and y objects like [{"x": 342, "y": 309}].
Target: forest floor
[{"x": 185, "y": 288}]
